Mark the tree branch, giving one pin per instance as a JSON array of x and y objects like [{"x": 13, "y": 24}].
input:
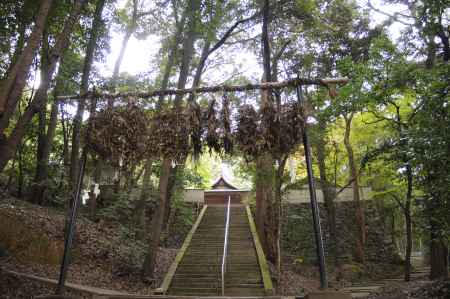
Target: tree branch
[
  {"x": 280, "y": 52},
  {"x": 345, "y": 186},
  {"x": 398, "y": 201},
  {"x": 393, "y": 17},
  {"x": 229, "y": 31}
]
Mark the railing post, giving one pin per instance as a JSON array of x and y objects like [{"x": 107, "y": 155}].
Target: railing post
[
  {"x": 225, "y": 246},
  {"x": 71, "y": 228}
]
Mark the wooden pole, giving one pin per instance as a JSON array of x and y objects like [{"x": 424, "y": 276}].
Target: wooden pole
[
  {"x": 314, "y": 205},
  {"x": 211, "y": 89}
]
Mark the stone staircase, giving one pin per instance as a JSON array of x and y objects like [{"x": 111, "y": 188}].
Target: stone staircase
[
  {"x": 366, "y": 288},
  {"x": 199, "y": 271},
  {"x": 243, "y": 276}
]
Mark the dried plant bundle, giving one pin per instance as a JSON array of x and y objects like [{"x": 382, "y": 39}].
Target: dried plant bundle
[
  {"x": 129, "y": 133},
  {"x": 169, "y": 135},
  {"x": 119, "y": 133}
]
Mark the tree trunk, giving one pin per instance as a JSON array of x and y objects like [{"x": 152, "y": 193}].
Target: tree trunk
[
  {"x": 140, "y": 211},
  {"x": 42, "y": 165},
  {"x": 128, "y": 33},
  {"x": 17, "y": 77},
  {"x": 38, "y": 188},
  {"x": 188, "y": 49},
  {"x": 278, "y": 201},
  {"x": 264, "y": 202},
  {"x": 9, "y": 146},
  {"x": 132, "y": 176},
  {"x": 65, "y": 153},
  {"x": 206, "y": 52},
  {"x": 265, "y": 176},
  {"x": 78, "y": 119},
  {"x": 359, "y": 209},
  {"x": 157, "y": 221},
  {"x": 92, "y": 196},
  {"x": 439, "y": 252},
  {"x": 329, "y": 193},
  {"x": 180, "y": 167},
  {"x": 118, "y": 62},
  {"x": 438, "y": 259},
  {"x": 171, "y": 189},
  {"x": 131, "y": 27},
  {"x": 21, "y": 30},
  {"x": 20, "y": 178},
  {"x": 11, "y": 175},
  {"x": 172, "y": 56},
  {"x": 408, "y": 223}
]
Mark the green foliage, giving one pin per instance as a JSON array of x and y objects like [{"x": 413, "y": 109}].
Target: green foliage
[
  {"x": 119, "y": 209},
  {"x": 430, "y": 141}
]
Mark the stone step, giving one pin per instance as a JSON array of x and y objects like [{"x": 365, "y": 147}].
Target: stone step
[
  {"x": 196, "y": 284},
  {"x": 244, "y": 245},
  {"x": 214, "y": 277},
  {"x": 237, "y": 265},
  {"x": 234, "y": 258},
  {"x": 231, "y": 271},
  {"x": 231, "y": 267},
  {"x": 360, "y": 295},
  {"x": 247, "y": 292},
  {"x": 244, "y": 285},
  {"x": 200, "y": 276},
  {"x": 194, "y": 291}
]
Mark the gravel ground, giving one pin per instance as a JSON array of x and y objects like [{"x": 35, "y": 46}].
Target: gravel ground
[{"x": 414, "y": 290}]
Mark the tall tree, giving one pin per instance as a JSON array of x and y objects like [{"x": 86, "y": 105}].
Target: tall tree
[
  {"x": 426, "y": 34},
  {"x": 158, "y": 218},
  {"x": 354, "y": 178},
  {"x": 131, "y": 24},
  {"x": 12, "y": 87},
  {"x": 265, "y": 165},
  {"x": 191, "y": 16},
  {"x": 8, "y": 146},
  {"x": 92, "y": 45}
]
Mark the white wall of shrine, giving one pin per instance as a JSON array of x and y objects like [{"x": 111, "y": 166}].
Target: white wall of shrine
[{"x": 291, "y": 196}]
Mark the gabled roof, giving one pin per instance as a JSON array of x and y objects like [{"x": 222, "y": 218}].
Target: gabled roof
[{"x": 221, "y": 183}]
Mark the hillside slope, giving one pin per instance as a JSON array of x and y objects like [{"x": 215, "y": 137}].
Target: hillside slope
[{"x": 31, "y": 241}]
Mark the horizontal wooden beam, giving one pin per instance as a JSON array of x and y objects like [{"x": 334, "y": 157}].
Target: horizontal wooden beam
[{"x": 210, "y": 89}]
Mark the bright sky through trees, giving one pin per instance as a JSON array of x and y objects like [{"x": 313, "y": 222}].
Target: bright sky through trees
[{"x": 140, "y": 54}]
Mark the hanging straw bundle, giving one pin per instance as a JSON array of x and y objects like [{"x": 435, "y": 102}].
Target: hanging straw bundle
[
  {"x": 169, "y": 135},
  {"x": 212, "y": 132},
  {"x": 291, "y": 126},
  {"x": 269, "y": 127},
  {"x": 247, "y": 134},
  {"x": 226, "y": 137},
  {"x": 119, "y": 133},
  {"x": 195, "y": 127}
]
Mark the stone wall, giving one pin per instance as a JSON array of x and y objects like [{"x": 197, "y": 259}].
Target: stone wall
[{"x": 298, "y": 238}]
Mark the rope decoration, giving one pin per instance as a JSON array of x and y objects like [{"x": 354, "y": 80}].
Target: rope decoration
[{"x": 127, "y": 132}]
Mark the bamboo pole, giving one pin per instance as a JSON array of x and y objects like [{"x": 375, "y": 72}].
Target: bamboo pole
[{"x": 211, "y": 89}]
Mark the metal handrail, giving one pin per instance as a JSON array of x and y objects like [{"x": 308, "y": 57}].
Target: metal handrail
[{"x": 225, "y": 246}]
